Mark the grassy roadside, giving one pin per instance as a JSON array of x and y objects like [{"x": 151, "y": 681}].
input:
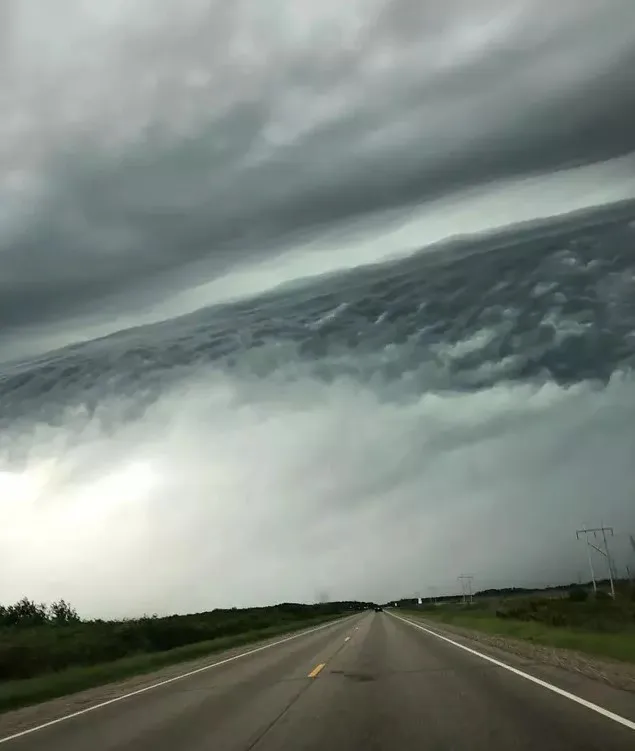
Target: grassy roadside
[
  {"x": 21, "y": 693},
  {"x": 616, "y": 645}
]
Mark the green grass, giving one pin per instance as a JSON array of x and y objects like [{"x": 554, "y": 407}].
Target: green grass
[
  {"x": 618, "y": 644},
  {"x": 20, "y": 693}
]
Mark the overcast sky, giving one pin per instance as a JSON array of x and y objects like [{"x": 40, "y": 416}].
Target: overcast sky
[
  {"x": 157, "y": 157},
  {"x": 145, "y": 151}
]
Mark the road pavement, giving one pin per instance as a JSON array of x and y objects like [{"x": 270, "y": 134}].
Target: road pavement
[{"x": 371, "y": 682}]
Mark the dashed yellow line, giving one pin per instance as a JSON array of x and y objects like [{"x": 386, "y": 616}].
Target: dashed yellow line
[
  {"x": 318, "y": 668},
  {"x": 314, "y": 673}
]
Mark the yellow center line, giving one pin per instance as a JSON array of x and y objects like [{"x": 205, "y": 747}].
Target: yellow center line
[{"x": 316, "y": 670}]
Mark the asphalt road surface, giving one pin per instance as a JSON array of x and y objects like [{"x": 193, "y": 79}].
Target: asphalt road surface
[{"x": 368, "y": 683}]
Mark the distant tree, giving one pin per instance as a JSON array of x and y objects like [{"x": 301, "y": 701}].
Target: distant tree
[
  {"x": 25, "y": 612},
  {"x": 62, "y": 613}
]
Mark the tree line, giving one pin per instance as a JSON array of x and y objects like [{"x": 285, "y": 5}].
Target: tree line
[
  {"x": 36, "y": 638},
  {"x": 25, "y": 613}
]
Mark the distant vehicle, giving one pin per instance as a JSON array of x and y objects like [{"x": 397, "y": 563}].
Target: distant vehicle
[{"x": 378, "y": 608}]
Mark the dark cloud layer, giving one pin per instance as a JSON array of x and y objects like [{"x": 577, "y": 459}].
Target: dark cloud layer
[{"x": 208, "y": 132}]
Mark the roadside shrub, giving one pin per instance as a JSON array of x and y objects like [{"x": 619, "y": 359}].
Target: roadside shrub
[
  {"x": 601, "y": 595},
  {"x": 578, "y": 594},
  {"x": 556, "y": 619}
]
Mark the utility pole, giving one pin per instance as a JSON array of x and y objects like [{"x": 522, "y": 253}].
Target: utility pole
[
  {"x": 599, "y": 530},
  {"x": 578, "y": 532},
  {"x": 609, "y": 558},
  {"x": 466, "y": 587}
]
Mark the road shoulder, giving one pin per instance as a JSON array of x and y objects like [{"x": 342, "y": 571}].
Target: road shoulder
[{"x": 609, "y": 684}]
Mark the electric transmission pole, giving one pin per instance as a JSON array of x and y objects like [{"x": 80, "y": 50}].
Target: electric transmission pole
[
  {"x": 578, "y": 532},
  {"x": 466, "y": 587},
  {"x": 605, "y": 552}
]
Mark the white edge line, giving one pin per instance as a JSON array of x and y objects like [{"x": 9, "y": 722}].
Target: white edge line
[
  {"x": 572, "y": 697},
  {"x": 92, "y": 708}
]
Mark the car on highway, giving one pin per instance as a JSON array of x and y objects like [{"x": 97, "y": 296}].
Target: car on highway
[{"x": 378, "y": 608}]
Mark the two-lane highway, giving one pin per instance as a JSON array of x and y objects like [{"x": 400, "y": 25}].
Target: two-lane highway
[{"x": 369, "y": 682}]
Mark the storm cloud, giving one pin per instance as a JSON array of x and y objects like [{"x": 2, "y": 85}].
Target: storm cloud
[
  {"x": 402, "y": 234},
  {"x": 143, "y": 152}
]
